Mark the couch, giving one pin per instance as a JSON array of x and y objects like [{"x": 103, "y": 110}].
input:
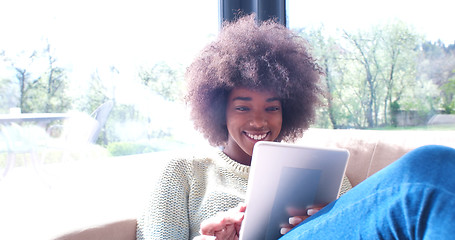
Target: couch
[{"x": 370, "y": 151}]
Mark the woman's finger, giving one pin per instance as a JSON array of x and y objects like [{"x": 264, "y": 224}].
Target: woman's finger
[{"x": 220, "y": 221}]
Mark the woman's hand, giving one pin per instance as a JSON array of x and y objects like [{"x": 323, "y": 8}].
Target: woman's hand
[
  {"x": 299, "y": 216},
  {"x": 223, "y": 226}
]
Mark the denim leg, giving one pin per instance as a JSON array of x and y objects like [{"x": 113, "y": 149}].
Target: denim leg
[{"x": 412, "y": 198}]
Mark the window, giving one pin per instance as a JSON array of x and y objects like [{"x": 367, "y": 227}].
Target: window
[
  {"x": 132, "y": 52},
  {"x": 388, "y": 63}
]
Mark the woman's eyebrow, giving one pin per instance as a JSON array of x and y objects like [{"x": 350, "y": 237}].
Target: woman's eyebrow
[
  {"x": 241, "y": 99},
  {"x": 273, "y": 99}
]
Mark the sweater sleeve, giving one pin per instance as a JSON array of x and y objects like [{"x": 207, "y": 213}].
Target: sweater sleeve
[
  {"x": 166, "y": 214},
  {"x": 345, "y": 186}
]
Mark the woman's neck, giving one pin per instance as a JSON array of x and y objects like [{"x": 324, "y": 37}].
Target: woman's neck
[{"x": 234, "y": 152}]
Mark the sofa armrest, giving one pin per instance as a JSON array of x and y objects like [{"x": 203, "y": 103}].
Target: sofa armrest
[
  {"x": 394, "y": 144},
  {"x": 121, "y": 230}
]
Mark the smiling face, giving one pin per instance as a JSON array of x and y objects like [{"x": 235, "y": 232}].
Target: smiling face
[{"x": 251, "y": 116}]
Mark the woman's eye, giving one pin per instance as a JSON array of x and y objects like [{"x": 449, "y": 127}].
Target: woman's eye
[
  {"x": 273, "y": 109},
  {"x": 242, "y": 109}
]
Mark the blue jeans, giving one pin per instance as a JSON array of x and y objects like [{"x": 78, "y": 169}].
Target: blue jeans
[{"x": 412, "y": 198}]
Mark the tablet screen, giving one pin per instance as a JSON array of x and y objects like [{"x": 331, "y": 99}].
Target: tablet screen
[{"x": 290, "y": 199}]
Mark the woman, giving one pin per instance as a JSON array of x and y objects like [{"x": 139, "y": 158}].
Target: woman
[
  {"x": 410, "y": 199},
  {"x": 255, "y": 82}
]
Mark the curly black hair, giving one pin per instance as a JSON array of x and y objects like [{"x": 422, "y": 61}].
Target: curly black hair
[{"x": 262, "y": 56}]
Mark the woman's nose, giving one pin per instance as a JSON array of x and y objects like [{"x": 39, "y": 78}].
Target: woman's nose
[{"x": 258, "y": 120}]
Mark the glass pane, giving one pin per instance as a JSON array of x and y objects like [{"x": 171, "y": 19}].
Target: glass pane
[
  {"x": 69, "y": 57},
  {"x": 388, "y": 63},
  {"x": 131, "y": 52}
]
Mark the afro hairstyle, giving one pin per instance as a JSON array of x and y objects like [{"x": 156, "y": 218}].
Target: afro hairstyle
[{"x": 257, "y": 56}]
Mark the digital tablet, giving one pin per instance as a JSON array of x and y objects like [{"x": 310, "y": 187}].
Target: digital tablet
[{"x": 286, "y": 179}]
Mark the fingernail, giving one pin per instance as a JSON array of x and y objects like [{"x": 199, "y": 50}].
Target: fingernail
[
  {"x": 295, "y": 220},
  {"x": 284, "y": 231},
  {"x": 311, "y": 211},
  {"x": 239, "y": 216}
]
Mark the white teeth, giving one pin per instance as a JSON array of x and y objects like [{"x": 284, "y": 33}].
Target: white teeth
[{"x": 257, "y": 137}]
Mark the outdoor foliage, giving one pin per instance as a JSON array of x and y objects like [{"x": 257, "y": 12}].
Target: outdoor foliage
[
  {"x": 164, "y": 80},
  {"x": 448, "y": 96},
  {"x": 373, "y": 76},
  {"x": 36, "y": 82}
]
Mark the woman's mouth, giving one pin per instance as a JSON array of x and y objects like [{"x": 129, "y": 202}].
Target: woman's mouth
[{"x": 256, "y": 137}]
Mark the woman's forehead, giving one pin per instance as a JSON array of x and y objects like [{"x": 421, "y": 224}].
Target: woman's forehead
[{"x": 242, "y": 92}]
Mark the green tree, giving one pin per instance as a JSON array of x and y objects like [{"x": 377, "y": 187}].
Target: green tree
[
  {"x": 399, "y": 44},
  {"x": 41, "y": 85},
  {"x": 55, "y": 82},
  {"x": 7, "y": 97},
  {"x": 364, "y": 50},
  {"x": 436, "y": 62},
  {"x": 330, "y": 56},
  {"x": 95, "y": 94},
  {"x": 22, "y": 64},
  {"x": 164, "y": 80},
  {"x": 436, "y": 65},
  {"x": 367, "y": 71},
  {"x": 448, "y": 93}
]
